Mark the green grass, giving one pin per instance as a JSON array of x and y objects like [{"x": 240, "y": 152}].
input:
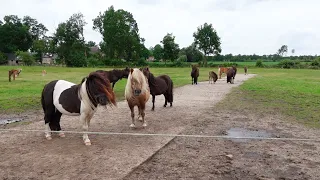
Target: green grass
[
  {"x": 24, "y": 93},
  {"x": 291, "y": 92}
]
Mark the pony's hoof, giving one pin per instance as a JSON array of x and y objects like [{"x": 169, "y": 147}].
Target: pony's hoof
[
  {"x": 144, "y": 125},
  {"x": 62, "y": 135},
  {"x": 87, "y": 143},
  {"x": 152, "y": 109},
  {"x": 164, "y": 105},
  {"x": 132, "y": 125},
  {"x": 48, "y": 137}
]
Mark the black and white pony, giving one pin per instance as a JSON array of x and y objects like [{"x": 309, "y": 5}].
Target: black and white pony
[{"x": 63, "y": 97}]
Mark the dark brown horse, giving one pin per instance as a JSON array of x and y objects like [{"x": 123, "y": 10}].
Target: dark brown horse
[
  {"x": 235, "y": 71},
  {"x": 194, "y": 74},
  {"x": 230, "y": 75},
  {"x": 115, "y": 75},
  {"x": 213, "y": 77},
  {"x": 159, "y": 85}
]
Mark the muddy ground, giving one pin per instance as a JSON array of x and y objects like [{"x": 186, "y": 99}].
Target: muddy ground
[{"x": 30, "y": 156}]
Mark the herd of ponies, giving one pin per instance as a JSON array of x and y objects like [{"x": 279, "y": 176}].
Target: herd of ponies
[{"x": 60, "y": 97}]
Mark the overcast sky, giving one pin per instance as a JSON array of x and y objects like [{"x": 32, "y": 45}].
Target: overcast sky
[{"x": 245, "y": 26}]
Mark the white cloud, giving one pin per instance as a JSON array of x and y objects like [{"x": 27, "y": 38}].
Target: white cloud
[{"x": 245, "y": 26}]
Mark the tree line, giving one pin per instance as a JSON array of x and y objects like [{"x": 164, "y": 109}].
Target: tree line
[{"x": 121, "y": 42}]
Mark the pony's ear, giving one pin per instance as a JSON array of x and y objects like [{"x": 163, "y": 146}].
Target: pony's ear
[
  {"x": 147, "y": 68},
  {"x": 131, "y": 70}
]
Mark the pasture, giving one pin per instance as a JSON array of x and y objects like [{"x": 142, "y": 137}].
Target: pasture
[{"x": 277, "y": 102}]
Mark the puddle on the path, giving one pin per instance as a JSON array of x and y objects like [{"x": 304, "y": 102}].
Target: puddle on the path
[
  {"x": 241, "y": 132},
  {"x": 10, "y": 120}
]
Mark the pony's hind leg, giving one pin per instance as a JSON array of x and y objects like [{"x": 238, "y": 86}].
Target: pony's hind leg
[
  {"x": 165, "y": 99},
  {"x": 132, "y": 117},
  {"x": 153, "y": 99}
]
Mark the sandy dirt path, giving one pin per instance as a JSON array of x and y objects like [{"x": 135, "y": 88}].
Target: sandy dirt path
[{"x": 31, "y": 156}]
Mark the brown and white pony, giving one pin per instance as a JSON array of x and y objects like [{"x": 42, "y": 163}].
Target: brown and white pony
[
  {"x": 212, "y": 77},
  {"x": 231, "y": 75},
  {"x": 137, "y": 93},
  {"x": 63, "y": 97},
  {"x": 245, "y": 70},
  {"x": 15, "y": 73},
  {"x": 222, "y": 70}
]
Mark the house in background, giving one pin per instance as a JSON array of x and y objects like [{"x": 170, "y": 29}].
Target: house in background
[
  {"x": 49, "y": 58},
  {"x": 150, "y": 58},
  {"x": 13, "y": 60}
]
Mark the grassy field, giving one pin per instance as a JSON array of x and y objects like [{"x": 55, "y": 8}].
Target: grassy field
[
  {"x": 292, "y": 92},
  {"x": 25, "y": 92}
]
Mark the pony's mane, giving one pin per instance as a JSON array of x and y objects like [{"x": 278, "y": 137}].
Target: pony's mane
[
  {"x": 138, "y": 77},
  {"x": 152, "y": 79},
  {"x": 92, "y": 84}
]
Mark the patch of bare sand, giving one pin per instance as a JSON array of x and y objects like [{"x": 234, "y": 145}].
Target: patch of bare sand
[{"x": 30, "y": 155}]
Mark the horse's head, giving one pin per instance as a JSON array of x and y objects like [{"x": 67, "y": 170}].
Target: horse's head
[
  {"x": 126, "y": 72},
  {"x": 100, "y": 90},
  {"x": 146, "y": 71},
  {"x": 138, "y": 81}
]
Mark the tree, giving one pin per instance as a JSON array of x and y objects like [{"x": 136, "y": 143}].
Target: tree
[
  {"x": 158, "y": 52},
  {"x": 91, "y": 43},
  {"x": 192, "y": 53},
  {"x": 14, "y": 35},
  {"x": 207, "y": 40},
  {"x": 120, "y": 34},
  {"x": 170, "y": 48},
  {"x": 26, "y": 57},
  {"x": 283, "y": 49},
  {"x": 69, "y": 41},
  {"x": 293, "y": 51}
]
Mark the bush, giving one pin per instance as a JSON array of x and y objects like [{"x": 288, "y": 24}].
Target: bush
[
  {"x": 26, "y": 58},
  {"x": 94, "y": 62},
  {"x": 3, "y": 58},
  {"x": 315, "y": 63},
  {"x": 259, "y": 63}
]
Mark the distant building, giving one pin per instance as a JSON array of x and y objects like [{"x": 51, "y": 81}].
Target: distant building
[{"x": 150, "y": 58}]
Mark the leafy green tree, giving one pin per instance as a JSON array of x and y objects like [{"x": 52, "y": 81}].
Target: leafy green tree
[
  {"x": 120, "y": 33},
  {"x": 26, "y": 57},
  {"x": 158, "y": 52},
  {"x": 283, "y": 49},
  {"x": 3, "y": 58},
  {"x": 170, "y": 48},
  {"x": 69, "y": 41},
  {"x": 207, "y": 40},
  {"x": 192, "y": 53},
  {"x": 14, "y": 35}
]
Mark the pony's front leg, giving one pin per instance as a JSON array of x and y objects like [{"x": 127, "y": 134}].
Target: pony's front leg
[
  {"x": 85, "y": 119},
  {"x": 143, "y": 117},
  {"x": 47, "y": 131},
  {"x": 132, "y": 116}
]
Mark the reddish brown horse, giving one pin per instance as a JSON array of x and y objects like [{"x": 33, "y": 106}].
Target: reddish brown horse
[
  {"x": 194, "y": 74},
  {"x": 159, "y": 85},
  {"x": 15, "y": 73},
  {"x": 222, "y": 70},
  {"x": 115, "y": 75}
]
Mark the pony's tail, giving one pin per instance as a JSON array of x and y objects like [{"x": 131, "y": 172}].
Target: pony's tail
[{"x": 170, "y": 94}]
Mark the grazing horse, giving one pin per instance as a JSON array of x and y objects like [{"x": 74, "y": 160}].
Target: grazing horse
[
  {"x": 159, "y": 85},
  {"x": 245, "y": 70},
  {"x": 137, "y": 93},
  {"x": 222, "y": 70},
  {"x": 115, "y": 75},
  {"x": 213, "y": 76},
  {"x": 14, "y": 73},
  {"x": 44, "y": 72},
  {"x": 62, "y": 97},
  {"x": 230, "y": 75},
  {"x": 194, "y": 74}
]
